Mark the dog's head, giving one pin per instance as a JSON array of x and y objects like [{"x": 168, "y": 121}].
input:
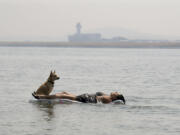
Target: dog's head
[{"x": 53, "y": 76}]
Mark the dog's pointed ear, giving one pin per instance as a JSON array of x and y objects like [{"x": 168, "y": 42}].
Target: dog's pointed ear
[
  {"x": 54, "y": 71},
  {"x": 51, "y": 72}
]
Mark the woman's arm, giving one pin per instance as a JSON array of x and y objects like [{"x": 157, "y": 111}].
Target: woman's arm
[{"x": 104, "y": 99}]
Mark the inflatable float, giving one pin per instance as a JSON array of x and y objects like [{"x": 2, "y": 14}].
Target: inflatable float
[{"x": 65, "y": 101}]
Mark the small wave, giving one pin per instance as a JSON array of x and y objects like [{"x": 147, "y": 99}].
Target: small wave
[
  {"x": 162, "y": 109},
  {"x": 147, "y": 107}
]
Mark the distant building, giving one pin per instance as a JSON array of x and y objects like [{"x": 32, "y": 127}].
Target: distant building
[
  {"x": 84, "y": 37},
  {"x": 90, "y": 37}
]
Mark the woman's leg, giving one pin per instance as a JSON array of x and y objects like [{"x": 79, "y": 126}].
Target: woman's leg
[
  {"x": 65, "y": 96},
  {"x": 64, "y": 93},
  {"x": 55, "y": 96},
  {"x": 44, "y": 96}
]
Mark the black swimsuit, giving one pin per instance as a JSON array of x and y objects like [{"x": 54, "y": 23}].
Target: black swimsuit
[{"x": 88, "y": 98}]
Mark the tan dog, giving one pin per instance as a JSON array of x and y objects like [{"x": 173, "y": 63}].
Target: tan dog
[{"x": 47, "y": 87}]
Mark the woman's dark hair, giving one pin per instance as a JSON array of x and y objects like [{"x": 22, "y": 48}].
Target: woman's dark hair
[{"x": 120, "y": 97}]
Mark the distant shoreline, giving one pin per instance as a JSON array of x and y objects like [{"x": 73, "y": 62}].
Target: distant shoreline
[{"x": 93, "y": 44}]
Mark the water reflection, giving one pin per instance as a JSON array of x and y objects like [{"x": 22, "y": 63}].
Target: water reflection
[{"x": 47, "y": 109}]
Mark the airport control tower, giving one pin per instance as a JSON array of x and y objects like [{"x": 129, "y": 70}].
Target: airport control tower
[{"x": 78, "y": 28}]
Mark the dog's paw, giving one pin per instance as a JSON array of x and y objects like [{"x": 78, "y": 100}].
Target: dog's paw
[{"x": 34, "y": 95}]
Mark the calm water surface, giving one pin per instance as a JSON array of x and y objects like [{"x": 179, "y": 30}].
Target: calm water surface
[{"x": 148, "y": 78}]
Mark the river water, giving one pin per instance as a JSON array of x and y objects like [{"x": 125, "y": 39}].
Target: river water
[{"x": 148, "y": 78}]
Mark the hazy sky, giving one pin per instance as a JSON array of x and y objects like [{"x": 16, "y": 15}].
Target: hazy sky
[{"x": 55, "y": 19}]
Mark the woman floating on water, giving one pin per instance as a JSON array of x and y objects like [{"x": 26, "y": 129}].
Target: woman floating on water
[{"x": 84, "y": 98}]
